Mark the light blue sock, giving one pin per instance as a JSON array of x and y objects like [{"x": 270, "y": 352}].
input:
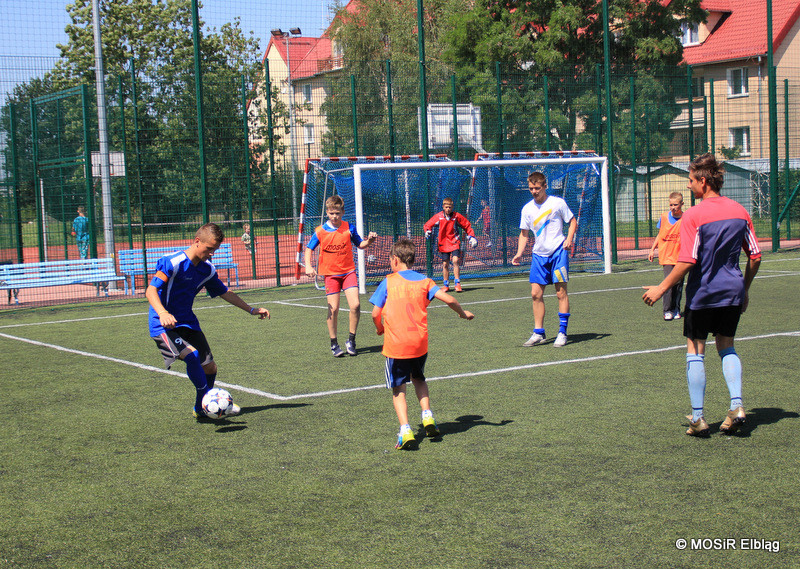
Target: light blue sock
[
  {"x": 563, "y": 321},
  {"x": 732, "y": 371},
  {"x": 696, "y": 378},
  {"x": 446, "y": 283}
]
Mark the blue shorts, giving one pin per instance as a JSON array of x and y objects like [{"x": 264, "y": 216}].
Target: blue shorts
[
  {"x": 399, "y": 371},
  {"x": 550, "y": 270}
]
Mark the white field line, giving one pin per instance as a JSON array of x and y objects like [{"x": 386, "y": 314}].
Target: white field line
[
  {"x": 136, "y": 365},
  {"x": 369, "y": 387}
]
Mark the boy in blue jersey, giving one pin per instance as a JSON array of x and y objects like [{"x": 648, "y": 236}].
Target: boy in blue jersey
[
  {"x": 173, "y": 326},
  {"x": 713, "y": 234}
]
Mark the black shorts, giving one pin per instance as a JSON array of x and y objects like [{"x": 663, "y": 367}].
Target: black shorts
[
  {"x": 174, "y": 344},
  {"x": 400, "y": 371},
  {"x": 722, "y": 321},
  {"x": 445, "y": 256}
]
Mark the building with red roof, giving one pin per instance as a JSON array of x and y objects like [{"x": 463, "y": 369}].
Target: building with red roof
[{"x": 728, "y": 57}]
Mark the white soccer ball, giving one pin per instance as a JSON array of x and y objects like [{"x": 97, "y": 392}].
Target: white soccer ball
[
  {"x": 216, "y": 402},
  {"x": 371, "y": 259}
]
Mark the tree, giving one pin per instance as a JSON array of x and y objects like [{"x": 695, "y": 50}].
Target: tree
[{"x": 564, "y": 41}]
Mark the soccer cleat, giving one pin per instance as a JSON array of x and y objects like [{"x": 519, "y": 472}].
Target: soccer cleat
[
  {"x": 458, "y": 288},
  {"x": 668, "y": 316},
  {"x": 405, "y": 440},
  {"x": 350, "y": 346},
  {"x": 445, "y": 288},
  {"x": 535, "y": 338},
  {"x": 337, "y": 351},
  {"x": 697, "y": 428},
  {"x": 430, "y": 427},
  {"x": 561, "y": 340},
  {"x": 232, "y": 410},
  {"x": 733, "y": 421}
]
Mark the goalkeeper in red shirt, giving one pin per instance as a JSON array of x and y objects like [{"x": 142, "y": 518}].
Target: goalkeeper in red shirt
[{"x": 449, "y": 241}]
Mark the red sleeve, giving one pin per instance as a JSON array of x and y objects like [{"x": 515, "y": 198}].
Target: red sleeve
[
  {"x": 464, "y": 223},
  {"x": 431, "y": 222}
]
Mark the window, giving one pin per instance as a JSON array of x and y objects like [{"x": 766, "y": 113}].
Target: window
[
  {"x": 690, "y": 34},
  {"x": 309, "y": 132},
  {"x": 740, "y": 137},
  {"x": 307, "y": 93},
  {"x": 737, "y": 82}
]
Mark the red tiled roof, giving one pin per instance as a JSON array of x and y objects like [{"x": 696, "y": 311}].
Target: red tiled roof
[
  {"x": 744, "y": 33},
  {"x": 307, "y": 56}
]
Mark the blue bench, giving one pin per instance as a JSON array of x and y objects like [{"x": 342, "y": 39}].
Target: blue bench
[
  {"x": 17, "y": 276},
  {"x": 131, "y": 263}
]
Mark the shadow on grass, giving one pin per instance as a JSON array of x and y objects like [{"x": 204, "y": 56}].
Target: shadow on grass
[
  {"x": 577, "y": 338},
  {"x": 462, "y": 424},
  {"x": 757, "y": 417},
  {"x": 230, "y": 425}
]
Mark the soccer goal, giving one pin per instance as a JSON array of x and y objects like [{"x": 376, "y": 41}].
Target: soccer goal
[{"x": 395, "y": 198}]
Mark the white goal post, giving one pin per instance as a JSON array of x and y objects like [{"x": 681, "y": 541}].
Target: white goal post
[{"x": 474, "y": 165}]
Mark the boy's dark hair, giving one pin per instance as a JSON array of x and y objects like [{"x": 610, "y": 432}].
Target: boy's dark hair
[
  {"x": 706, "y": 166},
  {"x": 334, "y": 201},
  {"x": 534, "y": 177},
  {"x": 210, "y": 232},
  {"x": 81, "y": 209},
  {"x": 405, "y": 250}
]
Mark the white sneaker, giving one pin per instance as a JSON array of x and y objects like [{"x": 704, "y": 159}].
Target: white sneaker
[
  {"x": 561, "y": 340},
  {"x": 678, "y": 315},
  {"x": 535, "y": 338},
  {"x": 668, "y": 316},
  {"x": 232, "y": 410}
]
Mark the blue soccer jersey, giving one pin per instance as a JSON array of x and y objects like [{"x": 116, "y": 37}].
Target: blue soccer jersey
[{"x": 178, "y": 281}]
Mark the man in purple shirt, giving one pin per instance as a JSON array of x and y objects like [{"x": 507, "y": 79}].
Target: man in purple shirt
[{"x": 713, "y": 234}]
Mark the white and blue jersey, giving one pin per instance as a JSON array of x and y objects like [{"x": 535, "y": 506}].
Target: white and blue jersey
[
  {"x": 178, "y": 281},
  {"x": 546, "y": 221}
]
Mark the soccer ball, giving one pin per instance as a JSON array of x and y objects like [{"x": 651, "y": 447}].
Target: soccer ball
[
  {"x": 371, "y": 259},
  {"x": 216, "y": 402}
]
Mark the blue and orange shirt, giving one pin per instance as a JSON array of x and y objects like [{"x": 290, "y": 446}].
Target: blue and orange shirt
[
  {"x": 178, "y": 281},
  {"x": 404, "y": 298},
  {"x": 713, "y": 234},
  {"x": 336, "y": 251}
]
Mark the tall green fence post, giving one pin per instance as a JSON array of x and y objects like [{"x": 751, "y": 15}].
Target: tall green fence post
[
  {"x": 395, "y": 211},
  {"x": 198, "y": 89},
  {"x": 248, "y": 181},
  {"x": 501, "y": 151},
  {"x": 125, "y": 157},
  {"x": 87, "y": 170},
  {"x": 455, "y": 114},
  {"x": 609, "y": 130},
  {"x": 355, "y": 114},
  {"x": 772, "y": 96},
  {"x": 546, "y": 115},
  {"x": 690, "y": 109},
  {"x": 712, "y": 127},
  {"x": 12, "y": 109},
  {"x": 786, "y": 152},
  {"x": 137, "y": 140},
  {"x": 271, "y": 144},
  {"x": 36, "y": 184},
  {"x": 648, "y": 181},
  {"x": 633, "y": 165}
]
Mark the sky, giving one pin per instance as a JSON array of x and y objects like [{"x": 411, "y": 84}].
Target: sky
[{"x": 31, "y": 29}]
